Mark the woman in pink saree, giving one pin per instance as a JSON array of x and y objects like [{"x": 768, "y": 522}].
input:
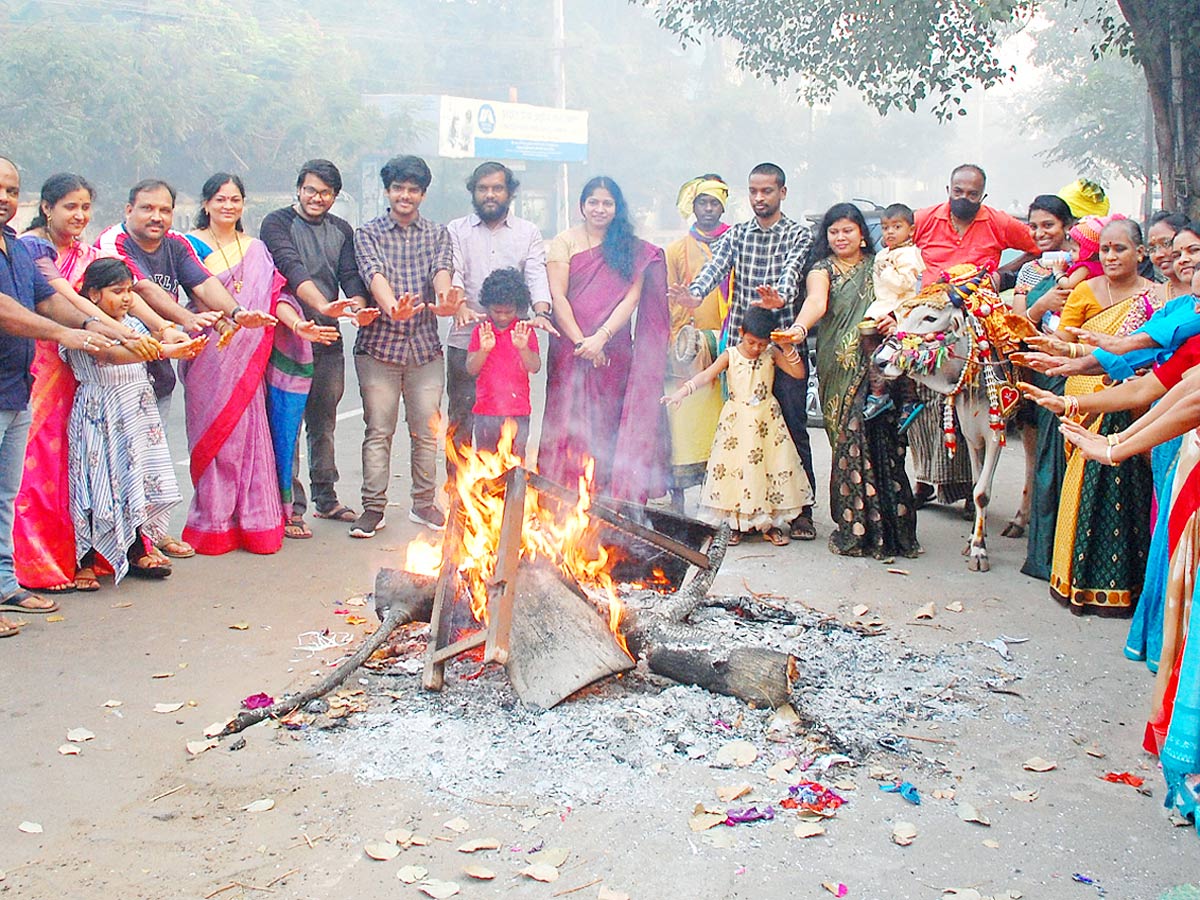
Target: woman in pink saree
[
  {"x": 236, "y": 503},
  {"x": 43, "y": 536},
  {"x": 604, "y": 374}
]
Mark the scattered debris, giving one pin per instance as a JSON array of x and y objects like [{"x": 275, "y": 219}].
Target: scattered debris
[
  {"x": 1123, "y": 778},
  {"x": 904, "y": 833},
  {"x": 968, "y": 813},
  {"x": 263, "y": 805},
  {"x": 79, "y": 735},
  {"x": 1037, "y": 764}
]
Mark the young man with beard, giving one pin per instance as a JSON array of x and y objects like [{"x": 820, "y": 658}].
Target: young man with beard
[
  {"x": 488, "y": 239},
  {"x": 314, "y": 250},
  {"x": 694, "y": 421},
  {"x": 766, "y": 256}
]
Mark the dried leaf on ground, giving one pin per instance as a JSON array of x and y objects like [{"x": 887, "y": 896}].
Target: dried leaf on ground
[
  {"x": 167, "y": 707},
  {"x": 399, "y": 836},
  {"x": 729, "y": 793},
  {"x": 943, "y": 794},
  {"x": 1095, "y": 752},
  {"x": 439, "y": 890},
  {"x": 991, "y": 844},
  {"x": 68, "y": 750},
  {"x": 779, "y": 770},
  {"x": 56, "y": 618},
  {"x": 551, "y": 856},
  {"x": 215, "y": 728},
  {"x": 961, "y": 894},
  {"x": 112, "y": 704},
  {"x": 1025, "y": 796},
  {"x": 240, "y": 626},
  {"x": 724, "y": 839},
  {"x": 474, "y": 846},
  {"x": 836, "y": 888},
  {"x": 457, "y": 825},
  {"x": 1037, "y": 764},
  {"x": 706, "y": 817},
  {"x": 481, "y": 873},
  {"x": 381, "y": 850},
  {"x": 845, "y": 785},
  {"x": 79, "y": 735},
  {"x": 737, "y": 753},
  {"x": 904, "y": 833},
  {"x": 163, "y": 675},
  {"x": 968, "y": 813},
  {"x": 928, "y": 611},
  {"x": 195, "y": 748},
  {"x": 860, "y": 610},
  {"x": 540, "y": 872},
  {"x": 411, "y": 874},
  {"x": 263, "y": 805},
  {"x": 607, "y": 893},
  {"x": 955, "y": 606},
  {"x": 808, "y": 829},
  {"x": 30, "y": 828},
  {"x": 880, "y": 773}
]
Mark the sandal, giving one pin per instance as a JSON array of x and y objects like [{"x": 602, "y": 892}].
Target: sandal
[
  {"x": 9, "y": 628},
  {"x": 176, "y": 548},
  {"x": 735, "y": 538},
  {"x": 338, "y": 513},
  {"x": 17, "y": 599},
  {"x": 147, "y": 566},
  {"x": 85, "y": 580},
  {"x": 68, "y": 588},
  {"x": 297, "y": 528},
  {"x": 803, "y": 529},
  {"x": 777, "y": 537}
]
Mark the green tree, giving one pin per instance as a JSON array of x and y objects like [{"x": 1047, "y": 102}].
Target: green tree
[{"x": 900, "y": 53}]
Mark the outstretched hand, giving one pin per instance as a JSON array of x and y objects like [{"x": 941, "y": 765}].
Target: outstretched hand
[
  {"x": 1093, "y": 446},
  {"x": 449, "y": 302},
  {"x": 520, "y": 335},
  {"x": 310, "y": 331},
  {"x": 1109, "y": 342},
  {"x": 681, "y": 296},
  {"x": 1042, "y": 398},
  {"x": 187, "y": 350},
  {"x": 487, "y": 337},
  {"x": 253, "y": 318},
  {"x": 768, "y": 297}
]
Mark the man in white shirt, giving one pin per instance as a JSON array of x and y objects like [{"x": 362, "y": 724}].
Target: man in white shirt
[{"x": 490, "y": 238}]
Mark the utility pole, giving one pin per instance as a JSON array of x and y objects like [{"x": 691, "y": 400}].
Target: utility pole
[{"x": 560, "y": 99}]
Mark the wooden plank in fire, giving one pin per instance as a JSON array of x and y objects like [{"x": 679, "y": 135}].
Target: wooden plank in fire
[
  {"x": 622, "y": 522},
  {"x": 434, "y": 676},
  {"x": 503, "y": 588}
]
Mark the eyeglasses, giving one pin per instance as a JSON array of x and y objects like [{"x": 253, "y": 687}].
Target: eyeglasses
[
  {"x": 308, "y": 193},
  {"x": 1159, "y": 245}
]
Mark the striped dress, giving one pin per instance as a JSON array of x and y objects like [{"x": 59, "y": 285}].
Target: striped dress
[{"x": 121, "y": 471}]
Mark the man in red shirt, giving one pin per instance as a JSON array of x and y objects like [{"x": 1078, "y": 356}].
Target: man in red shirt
[{"x": 963, "y": 230}]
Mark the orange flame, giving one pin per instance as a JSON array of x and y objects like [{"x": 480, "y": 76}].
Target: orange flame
[{"x": 568, "y": 541}]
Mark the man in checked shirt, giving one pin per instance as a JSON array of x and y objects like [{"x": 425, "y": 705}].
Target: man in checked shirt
[
  {"x": 766, "y": 256},
  {"x": 406, "y": 261}
]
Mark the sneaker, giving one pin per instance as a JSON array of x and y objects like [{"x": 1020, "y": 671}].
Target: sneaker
[
  {"x": 367, "y": 524},
  {"x": 429, "y": 516},
  {"x": 876, "y": 405}
]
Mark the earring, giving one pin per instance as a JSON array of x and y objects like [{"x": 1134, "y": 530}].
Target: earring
[{"x": 862, "y": 244}]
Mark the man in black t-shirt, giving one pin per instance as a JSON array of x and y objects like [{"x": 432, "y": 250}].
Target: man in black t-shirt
[{"x": 314, "y": 250}]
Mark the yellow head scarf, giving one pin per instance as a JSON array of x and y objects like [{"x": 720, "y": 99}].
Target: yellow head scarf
[
  {"x": 1086, "y": 198},
  {"x": 697, "y": 186}
]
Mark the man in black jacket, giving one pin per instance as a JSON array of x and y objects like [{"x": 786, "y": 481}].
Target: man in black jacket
[{"x": 314, "y": 250}]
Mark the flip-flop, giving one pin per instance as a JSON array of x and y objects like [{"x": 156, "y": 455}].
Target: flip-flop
[
  {"x": 9, "y": 630},
  {"x": 154, "y": 573},
  {"x": 776, "y": 537},
  {"x": 340, "y": 513},
  {"x": 13, "y": 602},
  {"x": 86, "y": 581},
  {"x": 297, "y": 529},
  {"x": 176, "y": 548},
  {"x": 735, "y": 538}
]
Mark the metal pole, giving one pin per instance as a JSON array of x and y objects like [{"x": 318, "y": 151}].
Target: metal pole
[{"x": 560, "y": 99}]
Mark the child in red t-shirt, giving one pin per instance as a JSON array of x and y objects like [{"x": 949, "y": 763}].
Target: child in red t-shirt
[{"x": 501, "y": 355}]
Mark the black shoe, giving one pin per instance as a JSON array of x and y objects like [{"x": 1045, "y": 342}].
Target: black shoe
[{"x": 367, "y": 524}]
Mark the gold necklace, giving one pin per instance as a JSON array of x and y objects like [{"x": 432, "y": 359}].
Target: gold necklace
[
  {"x": 1139, "y": 288},
  {"x": 237, "y": 282}
]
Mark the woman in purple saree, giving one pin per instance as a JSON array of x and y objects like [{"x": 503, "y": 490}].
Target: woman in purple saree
[
  {"x": 604, "y": 374},
  {"x": 237, "y": 502}
]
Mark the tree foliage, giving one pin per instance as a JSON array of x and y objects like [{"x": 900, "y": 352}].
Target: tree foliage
[{"x": 897, "y": 53}]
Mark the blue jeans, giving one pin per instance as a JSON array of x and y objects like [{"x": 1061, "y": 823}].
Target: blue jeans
[{"x": 14, "y": 431}]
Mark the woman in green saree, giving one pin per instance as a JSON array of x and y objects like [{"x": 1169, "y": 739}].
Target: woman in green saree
[{"x": 870, "y": 497}]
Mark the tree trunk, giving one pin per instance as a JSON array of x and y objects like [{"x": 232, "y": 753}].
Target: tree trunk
[{"x": 1174, "y": 93}]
